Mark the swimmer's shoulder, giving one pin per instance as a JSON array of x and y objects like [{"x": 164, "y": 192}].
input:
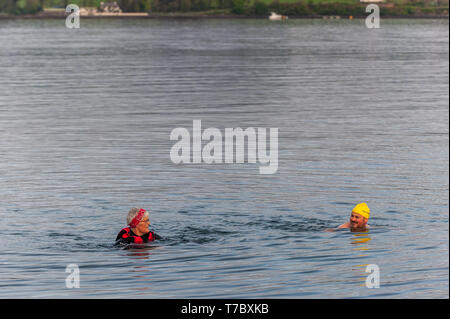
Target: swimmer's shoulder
[{"x": 346, "y": 225}]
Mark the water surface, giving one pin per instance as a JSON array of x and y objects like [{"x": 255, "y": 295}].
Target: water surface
[{"x": 85, "y": 120}]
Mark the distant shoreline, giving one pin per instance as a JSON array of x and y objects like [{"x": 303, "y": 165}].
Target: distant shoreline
[
  {"x": 40, "y": 16},
  {"x": 211, "y": 14}
]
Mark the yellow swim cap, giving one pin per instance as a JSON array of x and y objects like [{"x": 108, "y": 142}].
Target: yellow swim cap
[{"x": 362, "y": 209}]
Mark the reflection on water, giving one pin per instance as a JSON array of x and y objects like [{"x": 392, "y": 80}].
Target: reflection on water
[
  {"x": 360, "y": 241},
  {"x": 141, "y": 253},
  {"x": 85, "y": 121}
]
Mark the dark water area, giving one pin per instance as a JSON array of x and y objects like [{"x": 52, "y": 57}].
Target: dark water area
[{"x": 85, "y": 121}]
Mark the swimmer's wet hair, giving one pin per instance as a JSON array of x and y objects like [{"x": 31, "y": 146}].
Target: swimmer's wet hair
[{"x": 132, "y": 213}]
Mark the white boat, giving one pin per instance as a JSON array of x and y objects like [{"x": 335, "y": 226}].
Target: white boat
[{"x": 277, "y": 17}]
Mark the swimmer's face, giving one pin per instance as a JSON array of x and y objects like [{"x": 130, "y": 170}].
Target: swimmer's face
[
  {"x": 357, "y": 221},
  {"x": 142, "y": 227}
]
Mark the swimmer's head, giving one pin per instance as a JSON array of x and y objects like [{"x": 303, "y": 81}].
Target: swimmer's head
[
  {"x": 360, "y": 215},
  {"x": 362, "y": 209},
  {"x": 138, "y": 218}
]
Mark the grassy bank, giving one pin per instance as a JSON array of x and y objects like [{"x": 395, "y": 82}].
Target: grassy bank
[{"x": 245, "y": 8}]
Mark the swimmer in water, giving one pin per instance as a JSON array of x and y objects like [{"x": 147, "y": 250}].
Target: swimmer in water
[
  {"x": 358, "y": 218},
  {"x": 137, "y": 232}
]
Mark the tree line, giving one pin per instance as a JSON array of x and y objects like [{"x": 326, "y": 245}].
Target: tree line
[
  {"x": 21, "y": 6},
  {"x": 299, "y": 8},
  {"x": 32, "y": 6}
]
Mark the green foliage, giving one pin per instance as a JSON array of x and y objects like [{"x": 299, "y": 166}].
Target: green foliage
[
  {"x": 200, "y": 5},
  {"x": 185, "y": 5},
  {"x": 80, "y": 3},
  {"x": 299, "y": 9},
  {"x": 17, "y": 7},
  {"x": 32, "y": 6},
  {"x": 180, "y": 5},
  {"x": 260, "y": 8},
  {"x": 131, "y": 5},
  {"x": 238, "y": 6}
]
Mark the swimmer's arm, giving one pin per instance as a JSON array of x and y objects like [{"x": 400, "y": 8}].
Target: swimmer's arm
[
  {"x": 124, "y": 241},
  {"x": 345, "y": 225},
  {"x": 121, "y": 240}
]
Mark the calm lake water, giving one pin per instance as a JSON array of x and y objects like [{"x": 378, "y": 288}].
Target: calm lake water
[{"x": 85, "y": 120}]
